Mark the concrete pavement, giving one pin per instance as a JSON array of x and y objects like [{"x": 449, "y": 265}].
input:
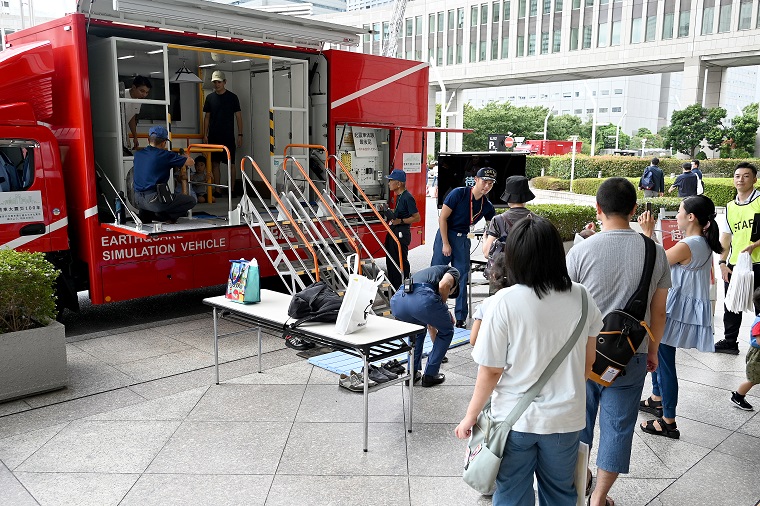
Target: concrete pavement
[{"x": 142, "y": 423}]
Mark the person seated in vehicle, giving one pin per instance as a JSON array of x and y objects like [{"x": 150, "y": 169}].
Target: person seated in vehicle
[
  {"x": 153, "y": 167},
  {"x": 195, "y": 177}
]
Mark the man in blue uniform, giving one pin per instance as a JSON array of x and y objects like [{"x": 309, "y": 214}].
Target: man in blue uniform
[
  {"x": 153, "y": 166},
  {"x": 399, "y": 220},
  {"x": 425, "y": 304},
  {"x": 462, "y": 208}
]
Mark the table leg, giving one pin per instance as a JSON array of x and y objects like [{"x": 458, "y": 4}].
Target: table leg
[
  {"x": 259, "y": 349},
  {"x": 216, "y": 347},
  {"x": 410, "y": 369},
  {"x": 366, "y": 401}
]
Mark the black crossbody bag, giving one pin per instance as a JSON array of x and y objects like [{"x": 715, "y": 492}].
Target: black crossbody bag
[{"x": 624, "y": 329}]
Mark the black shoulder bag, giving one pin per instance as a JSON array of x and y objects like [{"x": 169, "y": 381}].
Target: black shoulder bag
[{"x": 624, "y": 329}]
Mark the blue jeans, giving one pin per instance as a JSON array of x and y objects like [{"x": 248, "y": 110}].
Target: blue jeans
[
  {"x": 551, "y": 457},
  {"x": 424, "y": 307},
  {"x": 664, "y": 380},
  {"x": 618, "y": 407},
  {"x": 460, "y": 260}
]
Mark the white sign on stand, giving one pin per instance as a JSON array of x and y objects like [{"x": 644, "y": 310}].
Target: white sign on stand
[
  {"x": 365, "y": 142},
  {"x": 412, "y": 163}
]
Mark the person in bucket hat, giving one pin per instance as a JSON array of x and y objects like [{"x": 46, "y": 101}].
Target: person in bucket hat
[{"x": 516, "y": 194}]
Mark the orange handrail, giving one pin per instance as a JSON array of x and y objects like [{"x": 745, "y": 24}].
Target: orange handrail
[
  {"x": 316, "y": 192},
  {"x": 214, "y": 148},
  {"x": 374, "y": 210},
  {"x": 284, "y": 209}
]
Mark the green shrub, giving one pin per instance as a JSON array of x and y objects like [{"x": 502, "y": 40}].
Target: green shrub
[
  {"x": 535, "y": 163},
  {"x": 720, "y": 190},
  {"x": 633, "y": 167},
  {"x": 27, "y": 298},
  {"x": 550, "y": 183},
  {"x": 568, "y": 218}
]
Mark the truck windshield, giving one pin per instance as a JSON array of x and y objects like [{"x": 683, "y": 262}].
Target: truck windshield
[{"x": 17, "y": 164}]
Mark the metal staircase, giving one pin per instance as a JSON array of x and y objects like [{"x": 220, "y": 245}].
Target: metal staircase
[{"x": 310, "y": 239}]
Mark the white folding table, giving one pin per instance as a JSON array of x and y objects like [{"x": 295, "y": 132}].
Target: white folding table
[{"x": 381, "y": 338}]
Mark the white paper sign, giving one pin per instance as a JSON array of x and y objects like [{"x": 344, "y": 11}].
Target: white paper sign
[
  {"x": 365, "y": 142},
  {"x": 413, "y": 163},
  {"x": 21, "y": 207}
]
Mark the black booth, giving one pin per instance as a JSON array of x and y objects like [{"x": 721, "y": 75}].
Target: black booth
[{"x": 459, "y": 169}]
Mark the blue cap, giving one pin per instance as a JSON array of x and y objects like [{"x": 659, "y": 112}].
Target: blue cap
[
  {"x": 397, "y": 175},
  {"x": 159, "y": 131}
]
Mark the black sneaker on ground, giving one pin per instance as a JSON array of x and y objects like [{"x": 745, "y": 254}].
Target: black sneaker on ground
[
  {"x": 741, "y": 402},
  {"x": 726, "y": 346},
  {"x": 461, "y": 324},
  {"x": 297, "y": 343}
]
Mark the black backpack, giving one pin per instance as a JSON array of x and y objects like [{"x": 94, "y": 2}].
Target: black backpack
[
  {"x": 647, "y": 180},
  {"x": 318, "y": 302}
]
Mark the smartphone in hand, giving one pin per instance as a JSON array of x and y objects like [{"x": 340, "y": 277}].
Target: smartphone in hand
[{"x": 649, "y": 207}]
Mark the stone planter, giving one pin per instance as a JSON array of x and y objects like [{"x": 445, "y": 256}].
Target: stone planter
[{"x": 32, "y": 361}]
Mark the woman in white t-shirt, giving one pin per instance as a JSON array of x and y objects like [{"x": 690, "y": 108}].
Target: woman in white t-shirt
[{"x": 526, "y": 323}]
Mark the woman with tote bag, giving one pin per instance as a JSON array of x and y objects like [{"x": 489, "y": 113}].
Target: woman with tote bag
[{"x": 527, "y": 322}]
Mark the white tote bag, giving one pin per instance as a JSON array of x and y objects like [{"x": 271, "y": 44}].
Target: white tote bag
[
  {"x": 739, "y": 293},
  {"x": 357, "y": 302}
]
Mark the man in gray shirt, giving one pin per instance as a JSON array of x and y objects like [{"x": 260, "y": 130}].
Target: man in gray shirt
[{"x": 609, "y": 264}]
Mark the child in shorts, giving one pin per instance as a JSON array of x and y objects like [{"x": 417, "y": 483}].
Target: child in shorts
[{"x": 753, "y": 362}]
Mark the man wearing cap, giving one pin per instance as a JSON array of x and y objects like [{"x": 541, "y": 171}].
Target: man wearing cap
[
  {"x": 399, "y": 220},
  {"x": 220, "y": 108},
  {"x": 425, "y": 304},
  {"x": 516, "y": 194},
  {"x": 462, "y": 208},
  {"x": 153, "y": 166}
]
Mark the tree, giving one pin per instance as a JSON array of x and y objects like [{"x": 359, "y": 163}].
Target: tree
[
  {"x": 500, "y": 118},
  {"x": 743, "y": 130},
  {"x": 564, "y": 126},
  {"x": 689, "y": 126}
]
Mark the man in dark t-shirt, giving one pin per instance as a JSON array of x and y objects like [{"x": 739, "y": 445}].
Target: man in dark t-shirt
[
  {"x": 220, "y": 108},
  {"x": 400, "y": 218},
  {"x": 686, "y": 182}
]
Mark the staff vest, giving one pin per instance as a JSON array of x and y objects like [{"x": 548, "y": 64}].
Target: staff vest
[{"x": 743, "y": 219}]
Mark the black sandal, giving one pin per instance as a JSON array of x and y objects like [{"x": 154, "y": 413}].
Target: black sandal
[
  {"x": 651, "y": 406},
  {"x": 666, "y": 429}
]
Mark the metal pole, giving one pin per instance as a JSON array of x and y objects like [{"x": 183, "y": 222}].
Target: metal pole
[
  {"x": 572, "y": 163},
  {"x": 617, "y": 130}
]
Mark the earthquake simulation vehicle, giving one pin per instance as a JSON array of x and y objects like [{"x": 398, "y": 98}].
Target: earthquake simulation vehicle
[{"x": 321, "y": 130}]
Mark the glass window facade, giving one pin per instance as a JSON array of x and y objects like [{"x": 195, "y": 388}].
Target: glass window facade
[
  {"x": 745, "y": 16},
  {"x": 616, "y": 29},
  {"x": 504, "y": 48},
  {"x": 544, "y": 42},
  {"x": 708, "y": 15},
  {"x": 683, "y": 23},
  {"x": 573, "y": 38},
  {"x": 602, "y": 35},
  {"x": 586, "y": 36},
  {"x": 557, "y": 42},
  {"x": 507, "y": 5},
  {"x": 724, "y": 18},
  {"x": 637, "y": 34},
  {"x": 650, "y": 32},
  {"x": 531, "y": 44},
  {"x": 495, "y": 11},
  {"x": 483, "y": 14},
  {"x": 667, "y": 25}
]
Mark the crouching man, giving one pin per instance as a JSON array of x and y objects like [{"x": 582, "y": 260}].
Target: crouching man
[{"x": 424, "y": 303}]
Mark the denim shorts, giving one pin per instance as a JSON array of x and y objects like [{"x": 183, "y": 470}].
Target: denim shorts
[{"x": 618, "y": 408}]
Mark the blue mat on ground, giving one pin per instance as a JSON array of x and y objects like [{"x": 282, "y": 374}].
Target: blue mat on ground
[{"x": 342, "y": 363}]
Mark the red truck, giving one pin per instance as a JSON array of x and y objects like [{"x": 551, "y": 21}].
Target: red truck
[{"x": 65, "y": 145}]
